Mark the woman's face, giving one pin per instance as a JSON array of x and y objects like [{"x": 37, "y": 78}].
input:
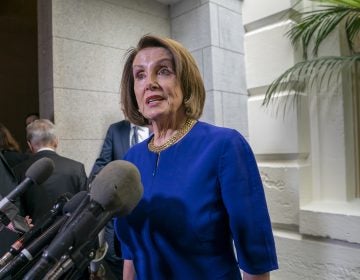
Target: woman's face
[{"x": 156, "y": 86}]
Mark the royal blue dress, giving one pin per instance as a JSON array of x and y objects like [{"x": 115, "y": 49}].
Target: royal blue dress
[{"x": 200, "y": 195}]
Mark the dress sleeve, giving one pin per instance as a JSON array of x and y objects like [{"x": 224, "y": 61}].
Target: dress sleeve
[{"x": 244, "y": 199}]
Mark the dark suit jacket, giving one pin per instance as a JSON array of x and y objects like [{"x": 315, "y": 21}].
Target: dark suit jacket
[
  {"x": 13, "y": 157},
  {"x": 7, "y": 184},
  {"x": 116, "y": 144},
  {"x": 7, "y": 178},
  {"x": 68, "y": 176}
]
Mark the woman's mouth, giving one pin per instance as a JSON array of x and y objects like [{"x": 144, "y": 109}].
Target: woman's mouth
[{"x": 153, "y": 98}]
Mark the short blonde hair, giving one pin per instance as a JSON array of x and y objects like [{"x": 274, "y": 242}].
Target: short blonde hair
[{"x": 186, "y": 70}]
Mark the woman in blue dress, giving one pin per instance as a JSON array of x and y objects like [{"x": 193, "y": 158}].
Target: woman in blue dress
[{"x": 203, "y": 214}]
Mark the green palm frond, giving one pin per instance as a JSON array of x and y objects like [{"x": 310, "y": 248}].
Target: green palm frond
[
  {"x": 317, "y": 25},
  {"x": 312, "y": 29},
  {"x": 352, "y": 28},
  {"x": 350, "y": 3},
  {"x": 306, "y": 74}
]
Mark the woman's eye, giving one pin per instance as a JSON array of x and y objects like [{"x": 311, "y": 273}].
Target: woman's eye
[
  {"x": 139, "y": 75},
  {"x": 164, "y": 71}
]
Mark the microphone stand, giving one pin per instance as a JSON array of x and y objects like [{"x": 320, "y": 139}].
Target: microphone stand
[
  {"x": 80, "y": 257},
  {"x": 73, "y": 265}
]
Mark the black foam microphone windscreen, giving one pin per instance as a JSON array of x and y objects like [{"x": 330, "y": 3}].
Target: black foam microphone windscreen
[
  {"x": 74, "y": 202},
  {"x": 40, "y": 170},
  {"x": 117, "y": 187},
  {"x": 37, "y": 173}
]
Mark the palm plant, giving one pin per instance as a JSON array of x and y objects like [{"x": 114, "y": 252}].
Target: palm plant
[{"x": 312, "y": 29}]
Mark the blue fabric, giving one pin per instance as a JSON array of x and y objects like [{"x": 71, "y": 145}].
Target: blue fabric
[{"x": 200, "y": 195}]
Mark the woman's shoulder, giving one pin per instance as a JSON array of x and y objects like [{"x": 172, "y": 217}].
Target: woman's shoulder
[
  {"x": 216, "y": 131},
  {"x": 223, "y": 136}
]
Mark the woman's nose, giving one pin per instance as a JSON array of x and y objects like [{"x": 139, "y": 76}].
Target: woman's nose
[{"x": 152, "y": 83}]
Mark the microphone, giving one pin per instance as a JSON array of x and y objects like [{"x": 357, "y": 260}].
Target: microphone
[
  {"x": 34, "y": 248},
  {"x": 37, "y": 173},
  {"x": 35, "y": 231},
  {"x": 116, "y": 190},
  {"x": 29, "y": 253}
]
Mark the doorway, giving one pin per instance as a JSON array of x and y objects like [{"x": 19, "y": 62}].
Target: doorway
[{"x": 19, "y": 65}]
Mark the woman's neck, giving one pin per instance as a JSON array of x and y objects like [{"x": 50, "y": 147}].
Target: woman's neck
[{"x": 164, "y": 130}]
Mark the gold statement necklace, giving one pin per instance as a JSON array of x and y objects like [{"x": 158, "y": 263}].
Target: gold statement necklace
[{"x": 189, "y": 123}]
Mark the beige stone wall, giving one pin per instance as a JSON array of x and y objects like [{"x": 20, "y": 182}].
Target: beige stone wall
[
  {"x": 302, "y": 155},
  {"x": 212, "y": 30}
]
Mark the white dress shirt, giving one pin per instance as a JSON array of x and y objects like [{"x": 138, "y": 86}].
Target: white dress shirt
[{"x": 143, "y": 133}]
